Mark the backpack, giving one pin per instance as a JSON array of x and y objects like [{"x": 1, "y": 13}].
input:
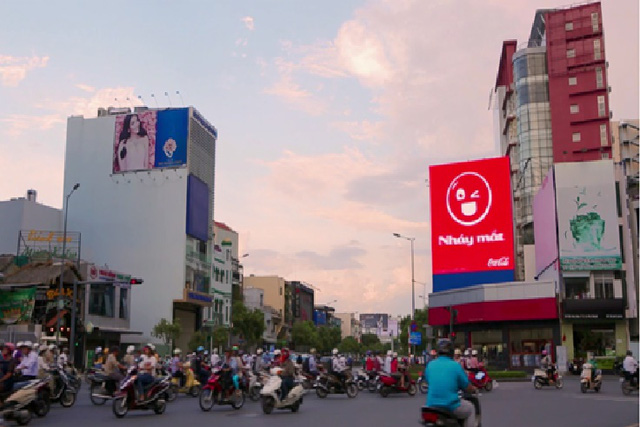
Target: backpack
[{"x": 305, "y": 365}]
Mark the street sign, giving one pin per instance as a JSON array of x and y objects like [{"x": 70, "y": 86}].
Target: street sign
[{"x": 415, "y": 338}]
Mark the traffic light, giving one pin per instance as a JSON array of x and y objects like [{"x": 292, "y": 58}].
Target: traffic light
[{"x": 136, "y": 281}]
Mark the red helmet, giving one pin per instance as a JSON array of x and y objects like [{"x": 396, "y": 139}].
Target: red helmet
[{"x": 284, "y": 355}]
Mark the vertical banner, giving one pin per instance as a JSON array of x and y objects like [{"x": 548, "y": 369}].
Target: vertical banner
[{"x": 16, "y": 306}]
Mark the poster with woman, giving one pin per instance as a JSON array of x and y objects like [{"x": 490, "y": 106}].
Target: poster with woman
[{"x": 134, "y": 142}]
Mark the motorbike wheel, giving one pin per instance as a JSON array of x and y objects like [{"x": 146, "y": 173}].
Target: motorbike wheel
[
  {"x": 537, "y": 384},
  {"x": 583, "y": 387},
  {"x": 597, "y": 389},
  {"x": 321, "y": 392},
  {"x": 384, "y": 391},
  {"x": 361, "y": 385},
  {"x": 306, "y": 384},
  {"x": 24, "y": 418},
  {"x": 352, "y": 390},
  {"x": 171, "y": 394},
  {"x": 120, "y": 406},
  {"x": 295, "y": 407},
  {"x": 95, "y": 389},
  {"x": 424, "y": 387},
  {"x": 254, "y": 394},
  {"x": 489, "y": 385},
  {"x": 626, "y": 388},
  {"x": 194, "y": 391},
  {"x": 160, "y": 406},
  {"x": 559, "y": 383},
  {"x": 41, "y": 405},
  {"x": 412, "y": 390},
  {"x": 206, "y": 400},
  {"x": 238, "y": 400},
  {"x": 76, "y": 383},
  {"x": 372, "y": 386},
  {"x": 67, "y": 398},
  {"x": 268, "y": 404}
]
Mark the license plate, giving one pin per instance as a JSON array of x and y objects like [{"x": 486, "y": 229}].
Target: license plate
[{"x": 480, "y": 375}]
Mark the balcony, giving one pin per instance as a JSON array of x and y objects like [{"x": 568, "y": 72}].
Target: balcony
[
  {"x": 202, "y": 261},
  {"x": 591, "y": 308}
]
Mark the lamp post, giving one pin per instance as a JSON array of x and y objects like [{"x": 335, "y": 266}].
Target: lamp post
[
  {"x": 64, "y": 249},
  {"x": 413, "y": 282}
]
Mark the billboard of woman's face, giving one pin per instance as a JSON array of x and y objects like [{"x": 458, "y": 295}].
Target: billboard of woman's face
[{"x": 135, "y": 142}]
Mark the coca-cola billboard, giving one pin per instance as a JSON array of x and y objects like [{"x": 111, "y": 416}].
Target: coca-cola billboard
[{"x": 471, "y": 223}]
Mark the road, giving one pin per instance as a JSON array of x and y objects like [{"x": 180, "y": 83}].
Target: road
[{"x": 511, "y": 404}]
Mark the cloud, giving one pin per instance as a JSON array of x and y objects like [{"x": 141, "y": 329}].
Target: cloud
[
  {"x": 248, "y": 22},
  {"x": 17, "y": 124},
  {"x": 13, "y": 69},
  {"x": 291, "y": 93},
  {"x": 86, "y": 88},
  {"x": 361, "y": 131},
  {"x": 339, "y": 258}
]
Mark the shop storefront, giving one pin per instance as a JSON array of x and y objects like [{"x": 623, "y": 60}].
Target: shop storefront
[{"x": 189, "y": 312}]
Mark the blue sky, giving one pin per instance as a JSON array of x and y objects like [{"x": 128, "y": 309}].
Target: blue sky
[{"x": 329, "y": 113}]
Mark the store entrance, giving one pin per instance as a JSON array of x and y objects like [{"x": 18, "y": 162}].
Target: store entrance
[{"x": 598, "y": 338}]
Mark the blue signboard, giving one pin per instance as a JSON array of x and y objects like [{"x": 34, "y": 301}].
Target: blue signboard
[
  {"x": 171, "y": 138},
  {"x": 197, "y": 208},
  {"x": 415, "y": 338}
]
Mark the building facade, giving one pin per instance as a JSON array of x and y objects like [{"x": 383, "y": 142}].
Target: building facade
[
  {"x": 274, "y": 289},
  {"x": 146, "y": 204},
  {"x": 349, "y": 325}
]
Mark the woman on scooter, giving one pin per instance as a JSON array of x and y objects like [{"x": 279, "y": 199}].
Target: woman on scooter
[
  {"x": 146, "y": 368},
  {"x": 287, "y": 373},
  {"x": 175, "y": 366}
]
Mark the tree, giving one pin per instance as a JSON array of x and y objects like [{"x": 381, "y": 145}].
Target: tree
[
  {"x": 421, "y": 318},
  {"x": 248, "y": 324},
  {"x": 168, "y": 332},
  {"x": 328, "y": 338},
  {"x": 198, "y": 339},
  {"x": 349, "y": 345},
  {"x": 219, "y": 336},
  {"x": 304, "y": 334},
  {"x": 369, "y": 340}
]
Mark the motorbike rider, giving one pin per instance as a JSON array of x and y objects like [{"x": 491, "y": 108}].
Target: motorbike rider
[
  {"x": 198, "y": 366},
  {"x": 258, "y": 364},
  {"x": 387, "y": 362},
  {"x": 7, "y": 369},
  {"x": 474, "y": 363},
  {"x": 112, "y": 367},
  {"x": 379, "y": 362},
  {"x": 276, "y": 358},
  {"x": 29, "y": 365},
  {"x": 63, "y": 358},
  {"x": 146, "y": 369},
  {"x": 287, "y": 373},
  {"x": 630, "y": 367},
  {"x": 445, "y": 377},
  {"x": 338, "y": 365},
  {"x": 369, "y": 364},
  {"x": 457, "y": 356},
  {"x": 176, "y": 367},
  {"x": 237, "y": 366},
  {"x": 215, "y": 357},
  {"x": 313, "y": 363},
  {"x": 129, "y": 359},
  {"x": 547, "y": 364}
]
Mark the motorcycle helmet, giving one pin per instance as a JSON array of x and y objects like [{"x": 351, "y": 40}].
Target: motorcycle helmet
[
  {"x": 259, "y": 352},
  {"x": 199, "y": 349},
  {"x": 457, "y": 352},
  {"x": 52, "y": 347},
  {"x": 445, "y": 347},
  {"x": 285, "y": 354},
  {"x": 276, "y": 352},
  {"x": 395, "y": 355},
  {"x": 177, "y": 351},
  {"x": 19, "y": 344},
  {"x": 467, "y": 353},
  {"x": 474, "y": 352},
  {"x": 368, "y": 352},
  {"x": 389, "y": 353},
  {"x": 98, "y": 350},
  {"x": 206, "y": 352},
  {"x": 130, "y": 349},
  {"x": 544, "y": 352},
  {"x": 334, "y": 351}
]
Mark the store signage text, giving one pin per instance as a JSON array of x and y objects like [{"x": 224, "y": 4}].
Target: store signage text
[{"x": 47, "y": 236}]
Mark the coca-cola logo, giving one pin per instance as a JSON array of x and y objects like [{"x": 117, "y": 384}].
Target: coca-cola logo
[
  {"x": 499, "y": 262},
  {"x": 93, "y": 272}
]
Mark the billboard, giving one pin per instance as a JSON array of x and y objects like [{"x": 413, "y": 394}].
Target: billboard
[
  {"x": 546, "y": 230},
  {"x": 471, "y": 223},
  {"x": 377, "y": 322},
  {"x": 587, "y": 217},
  {"x": 41, "y": 245},
  {"x": 150, "y": 140},
  {"x": 197, "y": 208},
  {"x": 16, "y": 306}
]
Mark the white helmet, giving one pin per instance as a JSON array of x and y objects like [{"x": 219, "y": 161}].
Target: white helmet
[
  {"x": 130, "y": 349},
  {"x": 20, "y": 343},
  {"x": 98, "y": 350},
  {"x": 259, "y": 351},
  {"x": 151, "y": 346},
  {"x": 177, "y": 351},
  {"x": 27, "y": 344},
  {"x": 389, "y": 353},
  {"x": 276, "y": 352},
  {"x": 215, "y": 351},
  {"x": 52, "y": 347},
  {"x": 395, "y": 354},
  {"x": 334, "y": 351},
  {"x": 474, "y": 352},
  {"x": 467, "y": 352}
]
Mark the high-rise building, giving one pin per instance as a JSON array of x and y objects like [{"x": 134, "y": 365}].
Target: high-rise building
[{"x": 145, "y": 205}]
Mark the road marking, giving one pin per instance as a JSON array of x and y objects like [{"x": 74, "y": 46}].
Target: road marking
[{"x": 612, "y": 399}]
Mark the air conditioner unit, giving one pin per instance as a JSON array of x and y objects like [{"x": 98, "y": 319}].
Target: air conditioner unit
[{"x": 102, "y": 112}]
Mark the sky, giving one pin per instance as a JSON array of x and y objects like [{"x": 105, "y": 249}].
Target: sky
[{"x": 329, "y": 114}]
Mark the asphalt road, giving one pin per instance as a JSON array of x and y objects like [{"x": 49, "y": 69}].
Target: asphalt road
[{"x": 511, "y": 404}]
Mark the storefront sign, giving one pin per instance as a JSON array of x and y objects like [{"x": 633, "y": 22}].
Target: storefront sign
[
  {"x": 472, "y": 223},
  {"x": 16, "y": 306},
  {"x": 594, "y": 309},
  {"x": 106, "y": 275},
  {"x": 45, "y": 245},
  {"x": 197, "y": 296}
]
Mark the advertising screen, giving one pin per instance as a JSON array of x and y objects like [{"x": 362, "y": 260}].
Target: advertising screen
[
  {"x": 150, "y": 140},
  {"x": 587, "y": 218},
  {"x": 197, "y": 208},
  {"x": 374, "y": 321},
  {"x": 471, "y": 223}
]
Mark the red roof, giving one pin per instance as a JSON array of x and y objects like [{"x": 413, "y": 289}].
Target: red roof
[{"x": 223, "y": 226}]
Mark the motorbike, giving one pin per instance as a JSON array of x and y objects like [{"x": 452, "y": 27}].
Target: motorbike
[
  {"x": 102, "y": 387},
  {"x": 26, "y": 398},
  {"x": 256, "y": 383},
  {"x": 629, "y": 382},
  {"x": 74, "y": 376},
  {"x": 589, "y": 381},
  {"x": 480, "y": 379},
  {"x": 374, "y": 381},
  {"x": 155, "y": 395},
  {"x": 540, "y": 379},
  {"x": 422, "y": 384},
  {"x": 432, "y": 417},
  {"x": 362, "y": 380},
  {"x": 307, "y": 380},
  {"x": 271, "y": 395},
  {"x": 576, "y": 366},
  {"x": 389, "y": 384},
  {"x": 330, "y": 383},
  {"x": 191, "y": 385},
  {"x": 63, "y": 391},
  {"x": 213, "y": 393}
]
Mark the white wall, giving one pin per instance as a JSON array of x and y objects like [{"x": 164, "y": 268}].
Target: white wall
[
  {"x": 22, "y": 214},
  {"x": 134, "y": 222}
]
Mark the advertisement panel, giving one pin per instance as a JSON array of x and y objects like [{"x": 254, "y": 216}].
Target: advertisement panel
[
  {"x": 471, "y": 223},
  {"x": 197, "y": 208},
  {"x": 374, "y": 322},
  {"x": 40, "y": 245},
  {"x": 16, "y": 306},
  {"x": 150, "y": 139},
  {"x": 546, "y": 230},
  {"x": 587, "y": 216}
]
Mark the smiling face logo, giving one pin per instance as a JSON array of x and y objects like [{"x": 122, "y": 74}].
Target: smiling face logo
[{"x": 468, "y": 198}]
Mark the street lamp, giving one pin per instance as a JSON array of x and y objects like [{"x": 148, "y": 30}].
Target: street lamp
[
  {"x": 413, "y": 282},
  {"x": 64, "y": 249}
]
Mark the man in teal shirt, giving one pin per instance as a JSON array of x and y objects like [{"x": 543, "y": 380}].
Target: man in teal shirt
[{"x": 445, "y": 377}]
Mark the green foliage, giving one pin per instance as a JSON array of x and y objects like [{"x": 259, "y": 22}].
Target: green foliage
[
  {"x": 219, "y": 336},
  {"x": 168, "y": 332},
  {"x": 349, "y": 345},
  {"x": 328, "y": 338},
  {"x": 422, "y": 318},
  {"x": 197, "y": 339},
  {"x": 248, "y": 324},
  {"x": 369, "y": 340},
  {"x": 304, "y": 334},
  {"x": 507, "y": 374}
]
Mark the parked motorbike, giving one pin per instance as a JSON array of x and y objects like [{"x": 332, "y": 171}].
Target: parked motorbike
[
  {"x": 541, "y": 379},
  {"x": 154, "y": 395},
  {"x": 102, "y": 387},
  {"x": 389, "y": 384},
  {"x": 63, "y": 391},
  {"x": 590, "y": 380},
  {"x": 432, "y": 416},
  {"x": 191, "y": 385},
  {"x": 629, "y": 382},
  {"x": 480, "y": 379},
  {"x": 422, "y": 384},
  {"x": 213, "y": 393},
  {"x": 329, "y": 383},
  {"x": 271, "y": 395}
]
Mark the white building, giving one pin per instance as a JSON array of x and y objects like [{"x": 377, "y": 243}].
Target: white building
[
  {"x": 254, "y": 299},
  {"x": 146, "y": 204}
]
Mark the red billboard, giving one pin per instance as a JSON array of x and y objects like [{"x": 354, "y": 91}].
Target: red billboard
[{"x": 471, "y": 223}]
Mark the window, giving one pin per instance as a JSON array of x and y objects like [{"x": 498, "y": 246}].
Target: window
[
  {"x": 573, "y": 81},
  {"x": 599, "y": 80},
  {"x": 574, "y": 108},
  {"x": 603, "y": 135},
  {"x": 594, "y": 22},
  {"x": 603, "y": 285},
  {"x": 577, "y": 287},
  {"x": 101, "y": 300},
  {"x": 281, "y": 290},
  {"x": 605, "y": 156},
  {"x": 226, "y": 314},
  {"x": 618, "y": 204},
  {"x": 576, "y": 137},
  {"x": 597, "y": 52},
  {"x": 568, "y": 26},
  {"x": 601, "y": 106},
  {"x": 571, "y": 53},
  {"x": 124, "y": 303}
]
